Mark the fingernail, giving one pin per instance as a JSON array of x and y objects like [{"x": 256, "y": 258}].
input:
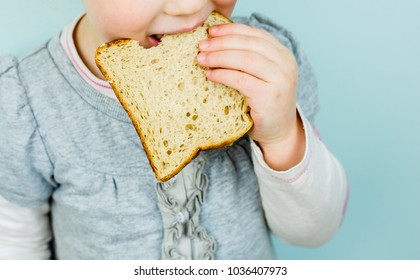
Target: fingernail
[
  {"x": 204, "y": 44},
  {"x": 201, "y": 57},
  {"x": 214, "y": 29}
]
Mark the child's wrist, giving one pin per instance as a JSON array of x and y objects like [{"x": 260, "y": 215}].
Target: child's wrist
[{"x": 288, "y": 152}]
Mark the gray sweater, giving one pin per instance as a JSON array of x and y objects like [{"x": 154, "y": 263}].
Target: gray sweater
[{"x": 64, "y": 143}]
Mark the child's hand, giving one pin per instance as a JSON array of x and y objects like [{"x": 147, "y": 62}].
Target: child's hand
[{"x": 265, "y": 72}]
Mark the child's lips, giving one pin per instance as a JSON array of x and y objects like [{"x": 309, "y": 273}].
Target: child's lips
[
  {"x": 188, "y": 29},
  {"x": 156, "y": 38}
]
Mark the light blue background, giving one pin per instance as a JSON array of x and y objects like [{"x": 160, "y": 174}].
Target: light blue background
[{"x": 366, "y": 56}]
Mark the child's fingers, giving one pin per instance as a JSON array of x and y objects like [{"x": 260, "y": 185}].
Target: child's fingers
[
  {"x": 247, "y": 84},
  {"x": 235, "y": 36},
  {"x": 241, "y": 29},
  {"x": 242, "y": 42},
  {"x": 252, "y": 63}
]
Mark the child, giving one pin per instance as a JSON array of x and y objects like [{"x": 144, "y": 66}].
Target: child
[{"x": 74, "y": 174}]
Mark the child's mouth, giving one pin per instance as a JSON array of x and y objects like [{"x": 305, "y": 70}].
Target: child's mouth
[{"x": 156, "y": 39}]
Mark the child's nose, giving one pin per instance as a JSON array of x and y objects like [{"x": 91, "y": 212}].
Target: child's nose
[{"x": 183, "y": 7}]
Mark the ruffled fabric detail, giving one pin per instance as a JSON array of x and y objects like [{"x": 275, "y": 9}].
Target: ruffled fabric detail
[{"x": 180, "y": 201}]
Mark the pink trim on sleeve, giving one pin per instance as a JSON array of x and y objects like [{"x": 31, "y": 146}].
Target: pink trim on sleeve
[{"x": 316, "y": 132}]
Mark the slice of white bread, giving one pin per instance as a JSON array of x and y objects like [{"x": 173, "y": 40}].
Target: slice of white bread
[{"x": 176, "y": 111}]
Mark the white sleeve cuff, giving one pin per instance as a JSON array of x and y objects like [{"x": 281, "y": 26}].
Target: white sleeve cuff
[{"x": 294, "y": 174}]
